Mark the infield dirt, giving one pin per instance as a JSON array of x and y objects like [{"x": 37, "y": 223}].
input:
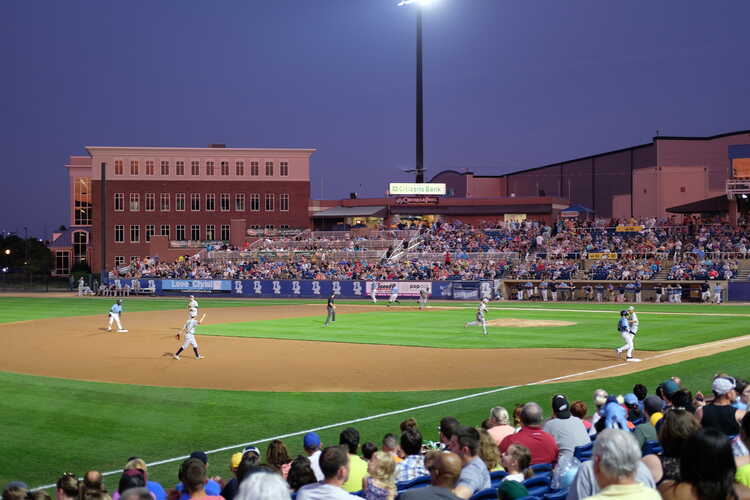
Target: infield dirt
[{"x": 80, "y": 348}]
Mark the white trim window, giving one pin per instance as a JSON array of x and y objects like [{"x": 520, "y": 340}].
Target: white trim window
[
  {"x": 179, "y": 232},
  {"x": 149, "y": 202},
  {"x": 135, "y": 202},
  {"x": 239, "y": 168},
  {"x": 164, "y": 202},
  {"x": 210, "y": 202},
  {"x": 119, "y": 202},
  {"x": 254, "y": 202},
  {"x": 209, "y": 168},
  {"x": 239, "y": 202},
  {"x": 135, "y": 233},
  {"x": 150, "y": 229},
  {"x": 179, "y": 202},
  {"x": 179, "y": 168},
  {"x": 224, "y": 167},
  {"x": 284, "y": 202},
  {"x": 195, "y": 232},
  {"x": 195, "y": 167},
  {"x": 119, "y": 260},
  {"x": 284, "y": 169},
  {"x": 164, "y": 167},
  {"x": 119, "y": 233},
  {"x": 119, "y": 169},
  {"x": 225, "y": 232},
  {"x": 224, "y": 202},
  {"x": 149, "y": 167},
  {"x": 254, "y": 169},
  {"x": 133, "y": 167},
  {"x": 269, "y": 226},
  {"x": 269, "y": 202},
  {"x": 210, "y": 232},
  {"x": 195, "y": 202},
  {"x": 164, "y": 230},
  {"x": 269, "y": 169}
]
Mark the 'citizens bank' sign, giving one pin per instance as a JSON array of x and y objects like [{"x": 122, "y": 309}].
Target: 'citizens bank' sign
[{"x": 401, "y": 188}]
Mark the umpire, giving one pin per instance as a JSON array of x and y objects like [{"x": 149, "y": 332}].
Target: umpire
[{"x": 331, "y": 308}]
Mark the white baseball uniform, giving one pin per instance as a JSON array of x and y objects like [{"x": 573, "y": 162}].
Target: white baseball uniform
[
  {"x": 374, "y": 292},
  {"x": 189, "y": 329},
  {"x": 114, "y": 317},
  {"x": 481, "y": 320}
]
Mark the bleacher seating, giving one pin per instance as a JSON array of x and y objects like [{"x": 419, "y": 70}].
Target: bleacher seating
[
  {"x": 538, "y": 485},
  {"x": 583, "y": 453}
]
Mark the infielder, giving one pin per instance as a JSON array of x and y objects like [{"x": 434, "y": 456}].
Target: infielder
[
  {"x": 394, "y": 295},
  {"x": 114, "y": 317},
  {"x": 374, "y": 291},
  {"x": 628, "y": 321},
  {"x": 192, "y": 304},
  {"x": 423, "y": 296},
  {"x": 331, "y": 309},
  {"x": 481, "y": 310},
  {"x": 189, "y": 330}
]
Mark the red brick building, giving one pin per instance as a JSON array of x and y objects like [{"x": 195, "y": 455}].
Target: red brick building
[{"x": 132, "y": 202}]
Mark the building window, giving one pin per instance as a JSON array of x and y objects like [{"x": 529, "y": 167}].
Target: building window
[
  {"x": 164, "y": 230},
  {"x": 269, "y": 226},
  {"x": 119, "y": 202},
  {"x": 149, "y": 232},
  {"x": 135, "y": 233},
  {"x": 119, "y": 233},
  {"x": 254, "y": 226},
  {"x": 164, "y": 167},
  {"x": 284, "y": 202},
  {"x": 269, "y": 168},
  {"x": 195, "y": 168},
  {"x": 62, "y": 262},
  {"x": 119, "y": 260},
  {"x": 135, "y": 202},
  {"x": 134, "y": 259},
  {"x": 239, "y": 168},
  {"x": 239, "y": 202},
  {"x": 224, "y": 202},
  {"x": 149, "y": 202},
  {"x": 149, "y": 167},
  {"x": 118, "y": 167},
  {"x": 80, "y": 242},
  {"x": 195, "y": 232},
  {"x": 210, "y": 232},
  {"x": 269, "y": 202},
  {"x": 254, "y": 168},
  {"x": 179, "y": 202},
  {"x": 284, "y": 169},
  {"x": 179, "y": 232},
  {"x": 134, "y": 167},
  {"x": 82, "y": 202},
  {"x": 210, "y": 202},
  {"x": 284, "y": 226},
  {"x": 224, "y": 167},
  {"x": 254, "y": 202},
  {"x": 195, "y": 202},
  {"x": 164, "y": 202},
  {"x": 225, "y": 232},
  {"x": 179, "y": 168},
  {"x": 209, "y": 168}
]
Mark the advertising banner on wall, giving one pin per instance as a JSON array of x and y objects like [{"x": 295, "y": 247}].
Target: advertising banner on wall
[{"x": 196, "y": 285}]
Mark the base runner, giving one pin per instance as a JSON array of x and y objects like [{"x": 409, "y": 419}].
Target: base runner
[{"x": 114, "y": 317}]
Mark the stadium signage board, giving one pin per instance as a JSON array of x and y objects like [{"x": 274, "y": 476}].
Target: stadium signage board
[
  {"x": 602, "y": 255},
  {"x": 629, "y": 229},
  {"x": 415, "y": 188},
  {"x": 417, "y": 200}
]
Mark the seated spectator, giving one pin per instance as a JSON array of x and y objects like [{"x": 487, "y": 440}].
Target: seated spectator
[
  {"x": 368, "y": 449},
  {"x": 474, "y": 474},
  {"x": 357, "y": 467},
  {"x": 742, "y": 460},
  {"x": 499, "y": 424},
  {"x": 194, "y": 477},
  {"x": 241, "y": 467},
  {"x": 633, "y": 407},
  {"x": 380, "y": 484},
  {"x": 67, "y": 487},
  {"x": 720, "y": 414},
  {"x": 311, "y": 444},
  {"x": 300, "y": 473},
  {"x": 264, "y": 486},
  {"x": 542, "y": 445},
  {"x": 567, "y": 430},
  {"x": 517, "y": 463},
  {"x": 155, "y": 488},
  {"x": 135, "y": 494},
  {"x": 743, "y": 394},
  {"x": 334, "y": 462},
  {"x": 646, "y": 431},
  {"x": 615, "y": 460},
  {"x": 488, "y": 451},
  {"x": 130, "y": 478},
  {"x": 445, "y": 469},
  {"x": 390, "y": 445},
  {"x": 212, "y": 487},
  {"x": 447, "y": 426},
  {"x": 707, "y": 470},
  {"x": 15, "y": 490},
  {"x": 579, "y": 409},
  {"x": 413, "y": 464},
  {"x": 677, "y": 426},
  {"x": 277, "y": 457}
]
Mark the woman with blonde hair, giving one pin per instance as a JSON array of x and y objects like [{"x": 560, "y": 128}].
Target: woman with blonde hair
[
  {"x": 488, "y": 451},
  {"x": 380, "y": 484}
]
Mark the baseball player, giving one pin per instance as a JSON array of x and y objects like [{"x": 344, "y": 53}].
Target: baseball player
[
  {"x": 114, "y": 317},
  {"x": 192, "y": 304},
  {"x": 394, "y": 295},
  {"x": 481, "y": 311},
  {"x": 189, "y": 330},
  {"x": 717, "y": 293},
  {"x": 331, "y": 309},
  {"x": 423, "y": 296},
  {"x": 374, "y": 291},
  {"x": 632, "y": 319},
  {"x": 624, "y": 328}
]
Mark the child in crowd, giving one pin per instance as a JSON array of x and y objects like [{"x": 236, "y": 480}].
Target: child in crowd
[
  {"x": 517, "y": 461},
  {"x": 380, "y": 485}
]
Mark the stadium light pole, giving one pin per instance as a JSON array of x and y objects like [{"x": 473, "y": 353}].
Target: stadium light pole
[{"x": 419, "y": 167}]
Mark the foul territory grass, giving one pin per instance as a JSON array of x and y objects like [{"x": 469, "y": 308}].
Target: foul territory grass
[
  {"x": 54, "y": 425},
  {"x": 445, "y": 328}
]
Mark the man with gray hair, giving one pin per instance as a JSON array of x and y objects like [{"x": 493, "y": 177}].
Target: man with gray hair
[
  {"x": 615, "y": 461},
  {"x": 136, "y": 494},
  {"x": 542, "y": 445},
  {"x": 500, "y": 422}
]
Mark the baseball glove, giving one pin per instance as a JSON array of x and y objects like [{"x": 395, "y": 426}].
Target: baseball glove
[{"x": 177, "y": 336}]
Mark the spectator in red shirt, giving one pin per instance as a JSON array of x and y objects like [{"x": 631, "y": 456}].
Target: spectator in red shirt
[{"x": 542, "y": 445}]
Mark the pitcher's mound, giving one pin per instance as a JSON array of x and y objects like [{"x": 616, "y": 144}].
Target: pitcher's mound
[{"x": 526, "y": 323}]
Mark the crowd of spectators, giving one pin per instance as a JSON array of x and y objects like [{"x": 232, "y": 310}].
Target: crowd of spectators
[{"x": 671, "y": 443}]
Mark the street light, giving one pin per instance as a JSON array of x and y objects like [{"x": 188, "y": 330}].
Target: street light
[{"x": 420, "y": 134}]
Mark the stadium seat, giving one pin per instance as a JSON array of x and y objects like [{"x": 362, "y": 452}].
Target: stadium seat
[
  {"x": 485, "y": 494},
  {"x": 557, "y": 494},
  {"x": 538, "y": 468},
  {"x": 583, "y": 453},
  {"x": 538, "y": 485},
  {"x": 417, "y": 482},
  {"x": 652, "y": 447},
  {"x": 496, "y": 477}
]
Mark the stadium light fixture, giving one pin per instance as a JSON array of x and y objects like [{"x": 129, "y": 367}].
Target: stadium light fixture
[{"x": 7, "y": 251}]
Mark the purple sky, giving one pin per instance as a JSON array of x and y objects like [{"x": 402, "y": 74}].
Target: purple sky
[{"x": 509, "y": 84}]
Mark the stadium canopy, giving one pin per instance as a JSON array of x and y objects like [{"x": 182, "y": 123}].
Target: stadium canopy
[
  {"x": 339, "y": 212},
  {"x": 717, "y": 204}
]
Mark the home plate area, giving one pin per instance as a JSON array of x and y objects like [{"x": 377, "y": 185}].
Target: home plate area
[{"x": 527, "y": 323}]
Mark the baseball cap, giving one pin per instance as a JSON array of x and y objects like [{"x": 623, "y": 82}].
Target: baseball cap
[
  {"x": 511, "y": 490},
  {"x": 253, "y": 449},
  {"x": 600, "y": 397},
  {"x": 631, "y": 308},
  {"x": 723, "y": 385},
  {"x": 669, "y": 387},
  {"x": 17, "y": 484},
  {"x": 200, "y": 455},
  {"x": 653, "y": 404},
  {"x": 311, "y": 440},
  {"x": 630, "y": 399},
  {"x": 560, "y": 406},
  {"x": 234, "y": 462}
]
